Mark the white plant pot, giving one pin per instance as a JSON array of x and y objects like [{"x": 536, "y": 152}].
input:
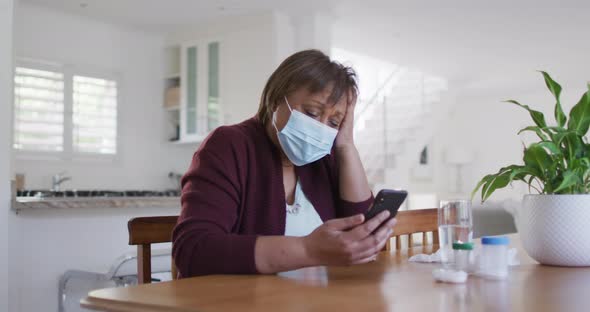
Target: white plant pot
[{"x": 555, "y": 229}]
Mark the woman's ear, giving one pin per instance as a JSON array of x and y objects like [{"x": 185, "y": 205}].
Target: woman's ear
[{"x": 274, "y": 112}]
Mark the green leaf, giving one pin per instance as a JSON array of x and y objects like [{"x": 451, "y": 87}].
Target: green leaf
[
  {"x": 530, "y": 183},
  {"x": 550, "y": 146},
  {"x": 560, "y": 161},
  {"x": 505, "y": 175},
  {"x": 498, "y": 182},
  {"x": 537, "y": 116},
  {"x": 536, "y": 157},
  {"x": 520, "y": 174},
  {"x": 480, "y": 183},
  {"x": 580, "y": 115},
  {"x": 558, "y": 137},
  {"x": 580, "y": 164},
  {"x": 556, "y": 129},
  {"x": 570, "y": 178},
  {"x": 573, "y": 146},
  {"x": 555, "y": 88},
  {"x": 537, "y": 130}
]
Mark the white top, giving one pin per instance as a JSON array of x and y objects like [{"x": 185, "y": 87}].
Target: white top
[{"x": 302, "y": 218}]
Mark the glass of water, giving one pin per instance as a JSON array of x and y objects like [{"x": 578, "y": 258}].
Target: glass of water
[{"x": 455, "y": 224}]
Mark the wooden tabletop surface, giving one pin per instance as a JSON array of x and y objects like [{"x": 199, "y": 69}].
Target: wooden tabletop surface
[{"x": 389, "y": 284}]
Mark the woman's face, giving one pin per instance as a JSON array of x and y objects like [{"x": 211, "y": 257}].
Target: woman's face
[{"x": 315, "y": 106}]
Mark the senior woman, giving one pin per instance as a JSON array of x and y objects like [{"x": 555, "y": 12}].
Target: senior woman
[{"x": 285, "y": 189}]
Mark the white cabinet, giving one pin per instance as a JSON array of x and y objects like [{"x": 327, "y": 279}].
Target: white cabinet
[{"x": 199, "y": 110}]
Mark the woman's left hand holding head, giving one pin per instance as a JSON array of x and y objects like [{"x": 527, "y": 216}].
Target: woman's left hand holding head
[
  {"x": 345, "y": 137},
  {"x": 354, "y": 186}
]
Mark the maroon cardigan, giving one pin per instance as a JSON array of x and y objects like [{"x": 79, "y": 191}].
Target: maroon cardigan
[{"x": 233, "y": 192}]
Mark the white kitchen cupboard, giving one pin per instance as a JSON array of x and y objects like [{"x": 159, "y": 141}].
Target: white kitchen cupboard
[{"x": 200, "y": 90}]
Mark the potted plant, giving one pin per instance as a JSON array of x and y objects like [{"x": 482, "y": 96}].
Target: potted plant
[{"x": 554, "y": 225}]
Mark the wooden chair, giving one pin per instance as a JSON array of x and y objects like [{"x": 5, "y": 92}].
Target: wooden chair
[
  {"x": 145, "y": 231},
  {"x": 415, "y": 221}
]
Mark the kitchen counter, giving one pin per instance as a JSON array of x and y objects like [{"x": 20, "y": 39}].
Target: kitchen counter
[{"x": 31, "y": 203}]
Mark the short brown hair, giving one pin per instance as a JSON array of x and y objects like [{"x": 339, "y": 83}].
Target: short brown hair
[{"x": 310, "y": 69}]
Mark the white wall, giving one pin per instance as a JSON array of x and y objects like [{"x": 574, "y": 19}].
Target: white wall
[
  {"x": 483, "y": 124},
  {"x": 252, "y": 47},
  {"x": 299, "y": 30},
  {"x": 44, "y": 244},
  {"x": 6, "y": 15},
  {"x": 49, "y": 242},
  {"x": 247, "y": 59},
  {"x": 488, "y": 54},
  {"x": 144, "y": 157}
]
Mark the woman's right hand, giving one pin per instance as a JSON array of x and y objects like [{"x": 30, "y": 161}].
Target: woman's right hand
[{"x": 349, "y": 240}]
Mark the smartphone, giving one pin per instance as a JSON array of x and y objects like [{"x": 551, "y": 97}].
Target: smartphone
[{"x": 386, "y": 200}]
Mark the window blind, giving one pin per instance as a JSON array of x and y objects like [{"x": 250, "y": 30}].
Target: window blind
[
  {"x": 38, "y": 110},
  {"x": 94, "y": 115}
]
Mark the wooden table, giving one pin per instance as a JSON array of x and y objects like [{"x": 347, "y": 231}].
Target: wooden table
[{"x": 389, "y": 284}]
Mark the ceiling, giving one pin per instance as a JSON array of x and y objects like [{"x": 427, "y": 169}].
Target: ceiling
[
  {"x": 170, "y": 15},
  {"x": 457, "y": 39},
  {"x": 468, "y": 41}
]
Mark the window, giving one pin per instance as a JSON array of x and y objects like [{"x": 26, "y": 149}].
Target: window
[
  {"x": 201, "y": 106},
  {"x": 95, "y": 115},
  {"x": 38, "y": 110},
  {"x": 191, "y": 91},
  {"x": 62, "y": 112},
  {"x": 213, "y": 98}
]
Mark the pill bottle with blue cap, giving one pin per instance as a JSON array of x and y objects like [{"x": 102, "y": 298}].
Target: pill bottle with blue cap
[{"x": 493, "y": 261}]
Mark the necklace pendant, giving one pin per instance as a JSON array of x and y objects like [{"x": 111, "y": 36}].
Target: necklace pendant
[{"x": 294, "y": 210}]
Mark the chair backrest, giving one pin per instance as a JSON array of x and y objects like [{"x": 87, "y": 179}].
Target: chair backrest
[
  {"x": 415, "y": 221},
  {"x": 143, "y": 232}
]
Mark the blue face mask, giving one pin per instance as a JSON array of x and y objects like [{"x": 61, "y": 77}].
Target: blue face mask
[{"x": 304, "y": 139}]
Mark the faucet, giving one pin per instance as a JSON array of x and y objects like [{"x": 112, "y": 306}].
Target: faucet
[
  {"x": 175, "y": 177},
  {"x": 57, "y": 180}
]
